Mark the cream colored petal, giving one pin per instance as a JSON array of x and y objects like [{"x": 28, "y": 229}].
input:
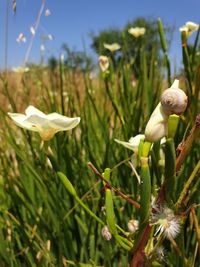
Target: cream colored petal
[
  {"x": 40, "y": 123},
  {"x": 192, "y": 26},
  {"x": 136, "y": 139},
  {"x": 62, "y": 123},
  {"x": 126, "y": 144},
  {"x": 43, "y": 126},
  {"x": 31, "y": 110},
  {"x": 20, "y": 120},
  {"x": 112, "y": 47},
  {"x": 175, "y": 84},
  {"x": 156, "y": 127}
]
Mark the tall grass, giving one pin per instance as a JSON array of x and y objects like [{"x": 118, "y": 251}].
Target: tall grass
[{"x": 52, "y": 202}]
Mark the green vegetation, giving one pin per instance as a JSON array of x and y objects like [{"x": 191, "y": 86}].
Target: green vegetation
[{"x": 54, "y": 203}]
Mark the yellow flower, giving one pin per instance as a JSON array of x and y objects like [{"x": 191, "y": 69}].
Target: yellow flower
[
  {"x": 137, "y": 31},
  {"x": 46, "y": 125},
  {"x": 112, "y": 47}
]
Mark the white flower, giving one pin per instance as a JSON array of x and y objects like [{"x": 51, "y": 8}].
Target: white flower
[
  {"x": 168, "y": 223},
  {"x": 106, "y": 233},
  {"x": 133, "y": 142},
  {"x": 32, "y": 30},
  {"x": 103, "y": 63},
  {"x": 133, "y": 226},
  {"x": 47, "y": 13},
  {"x": 137, "y": 31},
  {"x": 20, "y": 69},
  {"x": 62, "y": 58},
  {"x": 42, "y": 48},
  {"x": 21, "y": 38},
  {"x": 156, "y": 127},
  {"x": 46, "y": 125},
  {"x": 50, "y": 37},
  {"x": 189, "y": 28},
  {"x": 112, "y": 47}
]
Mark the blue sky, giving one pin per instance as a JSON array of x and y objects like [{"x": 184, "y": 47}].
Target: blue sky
[{"x": 71, "y": 21}]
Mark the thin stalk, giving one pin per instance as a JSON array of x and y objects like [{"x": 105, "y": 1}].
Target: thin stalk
[
  {"x": 196, "y": 226},
  {"x": 164, "y": 48},
  {"x": 33, "y": 35},
  {"x": 187, "y": 185},
  {"x": 6, "y": 36}
]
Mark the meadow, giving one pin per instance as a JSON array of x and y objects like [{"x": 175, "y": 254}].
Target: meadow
[{"x": 88, "y": 196}]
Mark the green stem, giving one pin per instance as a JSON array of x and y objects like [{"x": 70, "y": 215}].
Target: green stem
[
  {"x": 170, "y": 168},
  {"x": 89, "y": 211}
]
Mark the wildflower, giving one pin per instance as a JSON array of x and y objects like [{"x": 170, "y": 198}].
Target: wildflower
[
  {"x": 42, "y": 47},
  {"x": 112, "y": 47},
  {"x": 156, "y": 127},
  {"x": 62, "y": 58},
  {"x": 106, "y": 233},
  {"x": 20, "y": 69},
  {"x": 103, "y": 63},
  {"x": 21, "y": 38},
  {"x": 133, "y": 226},
  {"x": 189, "y": 28},
  {"x": 133, "y": 142},
  {"x": 168, "y": 223},
  {"x": 137, "y": 31},
  {"x": 50, "y": 37},
  {"x": 47, "y": 13},
  {"x": 32, "y": 30},
  {"x": 46, "y": 125}
]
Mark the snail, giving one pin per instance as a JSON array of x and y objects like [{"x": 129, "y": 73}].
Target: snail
[{"x": 174, "y": 100}]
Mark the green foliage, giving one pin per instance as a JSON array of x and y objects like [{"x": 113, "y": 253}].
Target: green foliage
[
  {"x": 130, "y": 46},
  {"x": 53, "y": 205},
  {"x": 77, "y": 60}
]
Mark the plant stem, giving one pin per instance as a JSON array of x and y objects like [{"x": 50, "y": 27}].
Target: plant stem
[{"x": 187, "y": 185}]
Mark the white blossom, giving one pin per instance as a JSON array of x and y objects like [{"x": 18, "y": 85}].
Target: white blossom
[
  {"x": 189, "y": 28},
  {"x": 21, "y": 38},
  {"x": 103, "y": 63},
  {"x": 137, "y": 31},
  {"x": 133, "y": 142},
  {"x": 106, "y": 233},
  {"x": 133, "y": 226},
  {"x": 46, "y": 125},
  {"x": 112, "y": 47},
  {"x": 47, "y": 13}
]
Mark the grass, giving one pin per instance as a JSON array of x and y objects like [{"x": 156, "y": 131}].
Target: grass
[{"x": 52, "y": 201}]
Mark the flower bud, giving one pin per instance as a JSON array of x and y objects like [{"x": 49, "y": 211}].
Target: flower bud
[
  {"x": 133, "y": 226},
  {"x": 106, "y": 233},
  {"x": 156, "y": 127}
]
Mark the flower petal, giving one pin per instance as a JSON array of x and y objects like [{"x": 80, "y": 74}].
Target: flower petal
[
  {"x": 20, "y": 120},
  {"x": 62, "y": 123},
  {"x": 39, "y": 122},
  {"x": 31, "y": 110},
  {"x": 156, "y": 127},
  {"x": 126, "y": 144}
]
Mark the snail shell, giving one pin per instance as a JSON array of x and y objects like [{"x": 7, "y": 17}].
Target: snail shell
[{"x": 174, "y": 101}]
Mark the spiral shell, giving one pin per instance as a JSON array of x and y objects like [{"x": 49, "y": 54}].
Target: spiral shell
[{"x": 174, "y": 101}]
